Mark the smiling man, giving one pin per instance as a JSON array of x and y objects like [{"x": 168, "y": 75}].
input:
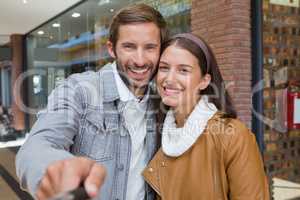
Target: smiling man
[
  {"x": 98, "y": 129},
  {"x": 136, "y": 53}
]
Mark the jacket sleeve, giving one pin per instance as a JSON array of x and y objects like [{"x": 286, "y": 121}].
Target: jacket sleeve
[
  {"x": 244, "y": 166},
  {"x": 52, "y": 135}
]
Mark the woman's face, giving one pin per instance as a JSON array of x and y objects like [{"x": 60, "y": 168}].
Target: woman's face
[{"x": 179, "y": 79}]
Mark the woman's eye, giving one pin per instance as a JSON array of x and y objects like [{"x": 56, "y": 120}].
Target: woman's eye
[{"x": 184, "y": 70}]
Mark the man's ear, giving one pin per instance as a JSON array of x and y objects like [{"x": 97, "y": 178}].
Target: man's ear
[
  {"x": 205, "y": 81},
  {"x": 110, "y": 48}
]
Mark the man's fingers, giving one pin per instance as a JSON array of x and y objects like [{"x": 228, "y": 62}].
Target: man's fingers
[
  {"x": 46, "y": 188},
  {"x": 95, "y": 180},
  {"x": 68, "y": 174},
  {"x": 75, "y": 171},
  {"x": 40, "y": 195},
  {"x": 53, "y": 173},
  {"x": 50, "y": 182}
]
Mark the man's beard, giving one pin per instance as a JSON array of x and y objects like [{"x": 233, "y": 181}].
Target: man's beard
[{"x": 126, "y": 79}]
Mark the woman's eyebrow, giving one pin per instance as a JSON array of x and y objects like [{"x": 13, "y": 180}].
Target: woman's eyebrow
[
  {"x": 180, "y": 65},
  {"x": 185, "y": 65}
]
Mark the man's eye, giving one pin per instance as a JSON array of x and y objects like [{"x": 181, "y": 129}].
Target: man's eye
[
  {"x": 128, "y": 46},
  {"x": 163, "y": 68},
  {"x": 151, "y": 47}
]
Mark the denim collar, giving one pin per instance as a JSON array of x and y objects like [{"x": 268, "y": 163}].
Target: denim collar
[{"x": 110, "y": 90}]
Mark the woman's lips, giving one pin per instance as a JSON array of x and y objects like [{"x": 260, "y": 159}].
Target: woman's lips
[{"x": 171, "y": 91}]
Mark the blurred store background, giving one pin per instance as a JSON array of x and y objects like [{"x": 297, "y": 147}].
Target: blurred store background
[{"x": 257, "y": 44}]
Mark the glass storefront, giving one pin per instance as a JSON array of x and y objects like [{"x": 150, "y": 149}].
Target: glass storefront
[
  {"x": 5, "y": 80},
  {"x": 75, "y": 42},
  {"x": 281, "y": 42}
]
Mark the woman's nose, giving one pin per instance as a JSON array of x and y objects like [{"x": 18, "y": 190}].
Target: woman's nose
[{"x": 170, "y": 76}]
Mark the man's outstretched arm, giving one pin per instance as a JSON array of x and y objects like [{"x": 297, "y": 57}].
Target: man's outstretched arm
[{"x": 44, "y": 156}]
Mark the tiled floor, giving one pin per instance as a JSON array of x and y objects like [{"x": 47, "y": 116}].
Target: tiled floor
[
  {"x": 6, "y": 192},
  {"x": 286, "y": 190},
  {"x": 9, "y": 187}
]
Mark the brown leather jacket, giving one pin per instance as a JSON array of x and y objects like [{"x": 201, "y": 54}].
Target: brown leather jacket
[{"x": 224, "y": 163}]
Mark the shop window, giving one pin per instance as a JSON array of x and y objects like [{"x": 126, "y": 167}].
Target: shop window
[
  {"x": 284, "y": 30},
  {"x": 282, "y": 36},
  {"x": 293, "y": 63},
  {"x": 295, "y": 52},
  {"x": 6, "y": 86}
]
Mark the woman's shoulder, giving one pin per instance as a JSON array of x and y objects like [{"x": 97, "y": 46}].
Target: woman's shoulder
[
  {"x": 222, "y": 124},
  {"x": 228, "y": 131}
]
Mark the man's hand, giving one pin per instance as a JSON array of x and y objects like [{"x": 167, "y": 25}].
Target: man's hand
[{"x": 68, "y": 174}]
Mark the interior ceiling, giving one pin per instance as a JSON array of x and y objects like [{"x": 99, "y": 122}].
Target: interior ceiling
[
  {"x": 21, "y": 16},
  {"x": 93, "y": 15}
]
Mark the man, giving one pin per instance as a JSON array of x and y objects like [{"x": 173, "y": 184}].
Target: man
[{"x": 98, "y": 129}]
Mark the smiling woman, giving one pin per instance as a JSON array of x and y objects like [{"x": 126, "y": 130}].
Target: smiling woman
[
  {"x": 206, "y": 152},
  {"x": 179, "y": 79}
]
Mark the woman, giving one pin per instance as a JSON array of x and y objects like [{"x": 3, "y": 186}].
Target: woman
[{"x": 206, "y": 153}]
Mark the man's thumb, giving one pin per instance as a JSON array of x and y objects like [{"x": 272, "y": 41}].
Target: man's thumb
[{"x": 95, "y": 180}]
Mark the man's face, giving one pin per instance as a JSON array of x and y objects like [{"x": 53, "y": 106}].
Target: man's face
[{"x": 137, "y": 53}]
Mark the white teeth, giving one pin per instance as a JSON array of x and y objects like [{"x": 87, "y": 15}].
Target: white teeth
[
  {"x": 139, "y": 71},
  {"x": 171, "y": 90}
]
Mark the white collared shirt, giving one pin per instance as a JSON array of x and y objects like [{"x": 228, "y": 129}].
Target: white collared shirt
[{"x": 135, "y": 122}]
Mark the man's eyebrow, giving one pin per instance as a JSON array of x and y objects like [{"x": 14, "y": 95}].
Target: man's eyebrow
[
  {"x": 152, "y": 44},
  {"x": 163, "y": 62},
  {"x": 127, "y": 43}
]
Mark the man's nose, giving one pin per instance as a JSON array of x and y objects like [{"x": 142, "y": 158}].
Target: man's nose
[{"x": 140, "y": 58}]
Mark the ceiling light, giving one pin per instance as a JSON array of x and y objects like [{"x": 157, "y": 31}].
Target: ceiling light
[
  {"x": 40, "y": 32},
  {"x": 56, "y": 25},
  {"x": 25, "y": 1},
  {"x": 75, "y": 15},
  {"x": 102, "y": 2}
]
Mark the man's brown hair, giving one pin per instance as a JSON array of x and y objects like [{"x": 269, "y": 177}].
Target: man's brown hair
[{"x": 135, "y": 14}]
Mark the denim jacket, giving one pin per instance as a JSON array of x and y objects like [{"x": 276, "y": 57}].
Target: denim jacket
[{"x": 83, "y": 118}]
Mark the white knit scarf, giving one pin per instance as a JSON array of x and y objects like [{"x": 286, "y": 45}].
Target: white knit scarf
[{"x": 176, "y": 141}]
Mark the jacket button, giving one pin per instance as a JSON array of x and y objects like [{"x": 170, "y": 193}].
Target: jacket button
[
  {"x": 150, "y": 169},
  {"x": 163, "y": 164},
  {"x": 121, "y": 167}
]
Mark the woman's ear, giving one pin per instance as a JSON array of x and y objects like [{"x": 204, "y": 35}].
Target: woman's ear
[
  {"x": 205, "y": 81},
  {"x": 110, "y": 48}
]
